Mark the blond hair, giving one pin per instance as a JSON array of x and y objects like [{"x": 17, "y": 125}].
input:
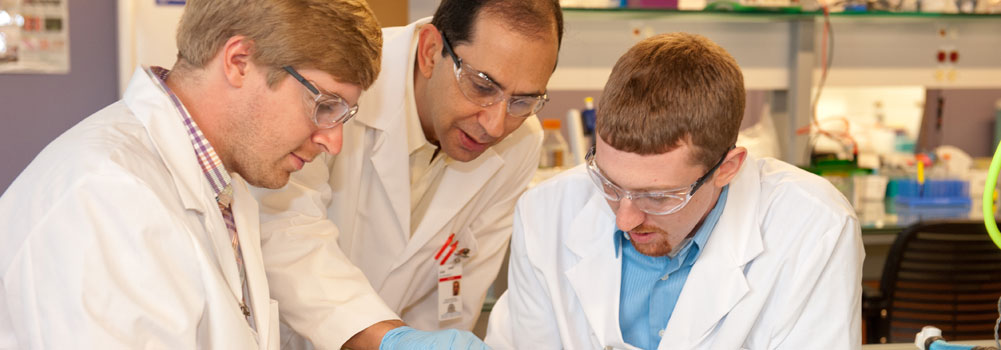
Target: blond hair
[
  {"x": 672, "y": 89},
  {"x": 339, "y": 37}
]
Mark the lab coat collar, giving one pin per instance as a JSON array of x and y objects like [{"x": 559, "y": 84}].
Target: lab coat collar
[
  {"x": 384, "y": 113},
  {"x": 415, "y": 131},
  {"x": 153, "y": 108},
  {"x": 151, "y": 105},
  {"x": 595, "y": 277},
  {"x": 717, "y": 282},
  {"x": 376, "y": 107},
  {"x": 597, "y": 223}
]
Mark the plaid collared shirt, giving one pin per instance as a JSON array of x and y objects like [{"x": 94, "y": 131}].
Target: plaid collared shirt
[{"x": 218, "y": 178}]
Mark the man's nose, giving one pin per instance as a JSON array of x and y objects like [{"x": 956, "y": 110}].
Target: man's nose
[
  {"x": 628, "y": 216},
  {"x": 493, "y": 117},
  {"x": 330, "y": 139}
]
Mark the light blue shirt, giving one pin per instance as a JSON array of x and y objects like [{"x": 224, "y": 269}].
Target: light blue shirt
[{"x": 651, "y": 285}]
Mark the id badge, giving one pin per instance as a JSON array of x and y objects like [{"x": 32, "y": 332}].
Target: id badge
[{"x": 450, "y": 290}]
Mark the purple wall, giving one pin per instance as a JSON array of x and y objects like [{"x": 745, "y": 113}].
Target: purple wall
[{"x": 35, "y": 108}]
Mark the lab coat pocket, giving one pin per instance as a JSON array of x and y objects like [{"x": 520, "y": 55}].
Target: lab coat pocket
[{"x": 274, "y": 337}]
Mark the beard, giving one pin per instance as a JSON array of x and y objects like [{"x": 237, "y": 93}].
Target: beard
[
  {"x": 659, "y": 246},
  {"x": 655, "y": 249}
]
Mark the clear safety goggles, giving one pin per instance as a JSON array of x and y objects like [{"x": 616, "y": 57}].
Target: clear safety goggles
[
  {"x": 481, "y": 90},
  {"x": 660, "y": 202},
  {"x": 329, "y": 109}
]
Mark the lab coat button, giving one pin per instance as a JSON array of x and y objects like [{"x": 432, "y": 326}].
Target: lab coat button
[{"x": 661, "y": 333}]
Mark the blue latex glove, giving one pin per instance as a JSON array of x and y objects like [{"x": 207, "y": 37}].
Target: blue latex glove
[{"x": 406, "y": 338}]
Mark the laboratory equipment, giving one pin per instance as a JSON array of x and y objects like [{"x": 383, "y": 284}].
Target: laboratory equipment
[
  {"x": 930, "y": 338},
  {"x": 554, "y": 147},
  {"x": 579, "y": 142},
  {"x": 589, "y": 117}
]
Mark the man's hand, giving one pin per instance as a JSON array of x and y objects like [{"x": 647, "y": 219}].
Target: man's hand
[
  {"x": 406, "y": 338},
  {"x": 370, "y": 338}
]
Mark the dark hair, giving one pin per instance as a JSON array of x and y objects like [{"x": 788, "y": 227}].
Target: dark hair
[
  {"x": 455, "y": 18},
  {"x": 672, "y": 89}
]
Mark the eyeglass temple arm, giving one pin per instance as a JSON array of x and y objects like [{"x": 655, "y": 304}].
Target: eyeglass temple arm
[
  {"x": 713, "y": 170},
  {"x": 301, "y": 79}
]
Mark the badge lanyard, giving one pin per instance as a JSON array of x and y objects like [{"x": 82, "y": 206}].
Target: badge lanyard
[{"x": 448, "y": 263}]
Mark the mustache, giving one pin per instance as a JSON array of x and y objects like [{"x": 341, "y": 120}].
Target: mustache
[{"x": 647, "y": 228}]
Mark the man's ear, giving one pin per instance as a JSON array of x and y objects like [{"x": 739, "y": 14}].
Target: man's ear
[
  {"x": 236, "y": 59},
  {"x": 730, "y": 166},
  {"x": 429, "y": 49}
]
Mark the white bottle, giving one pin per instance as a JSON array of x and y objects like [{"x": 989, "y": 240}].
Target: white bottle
[{"x": 554, "y": 147}]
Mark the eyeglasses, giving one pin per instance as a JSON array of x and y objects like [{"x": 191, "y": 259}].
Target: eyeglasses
[
  {"x": 661, "y": 202},
  {"x": 483, "y": 91},
  {"x": 330, "y": 109}
]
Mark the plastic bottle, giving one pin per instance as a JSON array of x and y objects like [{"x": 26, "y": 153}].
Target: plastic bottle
[
  {"x": 579, "y": 143},
  {"x": 588, "y": 118},
  {"x": 554, "y": 147}
]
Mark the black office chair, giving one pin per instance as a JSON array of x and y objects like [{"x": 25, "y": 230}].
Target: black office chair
[{"x": 945, "y": 274}]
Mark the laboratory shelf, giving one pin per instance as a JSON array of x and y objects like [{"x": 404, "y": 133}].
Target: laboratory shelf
[
  {"x": 783, "y": 51},
  {"x": 636, "y": 13},
  {"x": 925, "y": 15},
  {"x": 764, "y": 13}
]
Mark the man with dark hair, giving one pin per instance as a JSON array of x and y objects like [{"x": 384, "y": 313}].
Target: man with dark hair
[
  {"x": 424, "y": 190},
  {"x": 670, "y": 237}
]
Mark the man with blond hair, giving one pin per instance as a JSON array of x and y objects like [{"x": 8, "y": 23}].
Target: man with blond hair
[
  {"x": 670, "y": 237},
  {"x": 136, "y": 229}
]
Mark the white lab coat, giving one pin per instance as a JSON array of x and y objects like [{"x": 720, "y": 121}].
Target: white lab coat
[
  {"x": 112, "y": 239},
  {"x": 781, "y": 270},
  {"x": 365, "y": 193}
]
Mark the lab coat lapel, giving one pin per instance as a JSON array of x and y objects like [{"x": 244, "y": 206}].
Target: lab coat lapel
[
  {"x": 245, "y": 213},
  {"x": 717, "y": 282},
  {"x": 150, "y": 104},
  {"x": 384, "y": 119},
  {"x": 154, "y": 109},
  {"x": 390, "y": 158},
  {"x": 460, "y": 181},
  {"x": 595, "y": 278},
  {"x": 712, "y": 289}
]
